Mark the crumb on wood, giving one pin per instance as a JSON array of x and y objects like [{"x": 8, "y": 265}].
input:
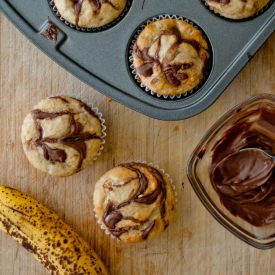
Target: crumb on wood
[{"x": 108, "y": 99}]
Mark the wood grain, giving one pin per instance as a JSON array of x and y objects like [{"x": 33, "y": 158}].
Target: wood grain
[{"x": 195, "y": 243}]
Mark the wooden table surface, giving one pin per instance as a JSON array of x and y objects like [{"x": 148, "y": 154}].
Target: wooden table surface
[{"x": 195, "y": 243}]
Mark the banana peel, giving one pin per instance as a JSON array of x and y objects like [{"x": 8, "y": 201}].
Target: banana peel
[{"x": 44, "y": 234}]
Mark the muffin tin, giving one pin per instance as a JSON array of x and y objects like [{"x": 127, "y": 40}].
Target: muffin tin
[{"x": 100, "y": 58}]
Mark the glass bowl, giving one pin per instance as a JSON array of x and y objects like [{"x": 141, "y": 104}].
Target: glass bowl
[{"x": 198, "y": 172}]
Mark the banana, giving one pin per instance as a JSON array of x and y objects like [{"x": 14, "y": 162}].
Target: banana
[{"x": 46, "y": 235}]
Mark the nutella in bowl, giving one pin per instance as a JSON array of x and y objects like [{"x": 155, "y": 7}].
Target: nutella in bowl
[
  {"x": 233, "y": 178},
  {"x": 245, "y": 179}
]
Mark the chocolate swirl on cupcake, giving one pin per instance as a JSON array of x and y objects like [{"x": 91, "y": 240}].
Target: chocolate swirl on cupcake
[
  {"x": 171, "y": 57},
  {"x": 61, "y": 135},
  {"x": 90, "y": 13},
  {"x": 237, "y": 9},
  {"x": 134, "y": 201}
]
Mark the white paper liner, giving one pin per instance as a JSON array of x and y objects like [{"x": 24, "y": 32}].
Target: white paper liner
[
  {"x": 90, "y": 30},
  {"x": 131, "y": 59},
  {"x": 100, "y": 117},
  {"x": 103, "y": 128},
  {"x": 103, "y": 227},
  {"x": 266, "y": 7}
]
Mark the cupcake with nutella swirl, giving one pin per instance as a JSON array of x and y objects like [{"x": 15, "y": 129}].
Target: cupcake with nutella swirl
[
  {"x": 237, "y": 9},
  {"x": 171, "y": 57},
  {"x": 62, "y": 135},
  {"x": 90, "y": 13},
  {"x": 134, "y": 202}
]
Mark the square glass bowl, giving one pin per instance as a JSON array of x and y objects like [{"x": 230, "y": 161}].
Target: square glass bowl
[{"x": 198, "y": 172}]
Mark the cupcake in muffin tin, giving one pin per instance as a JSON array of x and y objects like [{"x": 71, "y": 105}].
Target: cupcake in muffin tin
[
  {"x": 171, "y": 56},
  {"x": 62, "y": 135},
  {"x": 134, "y": 201},
  {"x": 237, "y": 9},
  {"x": 91, "y": 15}
]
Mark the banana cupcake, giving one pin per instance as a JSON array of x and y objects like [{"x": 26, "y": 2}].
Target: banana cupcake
[
  {"x": 171, "y": 57},
  {"x": 237, "y": 9},
  {"x": 62, "y": 135},
  {"x": 134, "y": 202},
  {"x": 90, "y": 13}
]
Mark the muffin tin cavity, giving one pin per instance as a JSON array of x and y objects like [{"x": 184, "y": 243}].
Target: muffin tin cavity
[
  {"x": 130, "y": 59},
  {"x": 90, "y": 30}
]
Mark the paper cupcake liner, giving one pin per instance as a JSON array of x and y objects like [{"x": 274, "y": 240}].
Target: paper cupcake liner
[
  {"x": 130, "y": 59},
  {"x": 103, "y": 227},
  {"x": 264, "y": 9},
  {"x": 90, "y": 30},
  {"x": 103, "y": 127},
  {"x": 101, "y": 119}
]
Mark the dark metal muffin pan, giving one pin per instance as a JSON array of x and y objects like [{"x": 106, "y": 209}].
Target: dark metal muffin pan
[{"x": 100, "y": 59}]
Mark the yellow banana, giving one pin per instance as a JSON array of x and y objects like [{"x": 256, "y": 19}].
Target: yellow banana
[{"x": 46, "y": 235}]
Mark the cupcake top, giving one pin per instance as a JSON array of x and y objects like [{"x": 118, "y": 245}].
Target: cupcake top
[
  {"x": 237, "y": 9},
  {"x": 134, "y": 202},
  {"x": 61, "y": 135},
  {"x": 90, "y": 13},
  {"x": 171, "y": 56}
]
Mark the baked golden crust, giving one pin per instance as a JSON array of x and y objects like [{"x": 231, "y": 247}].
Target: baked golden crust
[
  {"x": 237, "y": 9},
  {"x": 90, "y": 13},
  {"x": 134, "y": 202},
  {"x": 61, "y": 135},
  {"x": 171, "y": 56}
]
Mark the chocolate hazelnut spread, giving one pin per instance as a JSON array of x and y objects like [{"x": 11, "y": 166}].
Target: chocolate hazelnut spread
[
  {"x": 51, "y": 32},
  {"x": 245, "y": 180}
]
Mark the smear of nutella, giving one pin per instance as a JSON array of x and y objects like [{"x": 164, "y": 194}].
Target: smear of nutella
[
  {"x": 51, "y": 32},
  {"x": 245, "y": 180}
]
